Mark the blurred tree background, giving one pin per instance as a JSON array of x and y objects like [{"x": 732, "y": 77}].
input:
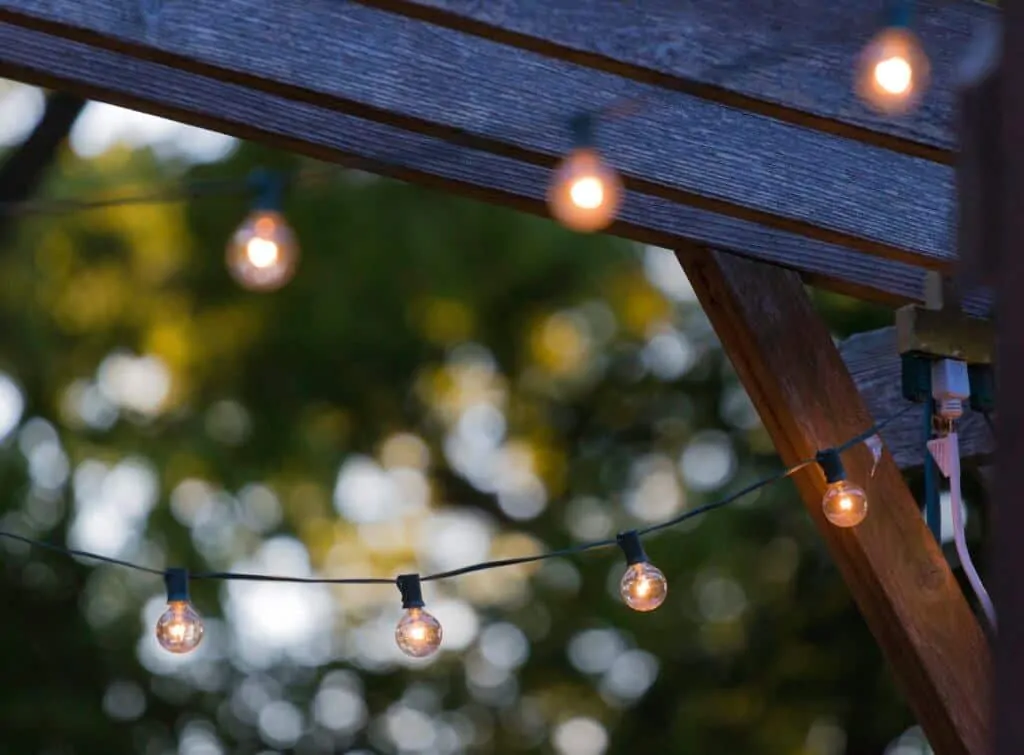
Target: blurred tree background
[{"x": 441, "y": 383}]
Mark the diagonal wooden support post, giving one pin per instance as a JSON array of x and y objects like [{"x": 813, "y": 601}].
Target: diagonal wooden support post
[{"x": 795, "y": 376}]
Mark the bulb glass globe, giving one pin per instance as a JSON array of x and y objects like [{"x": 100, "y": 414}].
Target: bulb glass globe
[
  {"x": 418, "y": 634},
  {"x": 263, "y": 252},
  {"x": 643, "y": 587},
  {"x": 893, "y": 71},
  {"x": 585, "y": 193},
  {"x": 845, "y": 504},
  {"x": 179, "y": 629}
]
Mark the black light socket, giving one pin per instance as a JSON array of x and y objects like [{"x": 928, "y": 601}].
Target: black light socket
[
  {"x": 831, "y": 465},
  {"x": 412, "y": 594},
  {"x": 632, "y": 548},
  {"x": 176, "y": 581}
]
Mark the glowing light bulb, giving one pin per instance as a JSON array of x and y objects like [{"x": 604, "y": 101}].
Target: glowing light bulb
[
  {"x": 585, "y": 193},
  {"x": 179, "y": 629},
  {"x": 893, "y": 71},
  {"x": 643, "y": 587},
  {"x": 845, "y": 504},
  {"x": 263, "y": 252},
  {"x": 418, "y": 634}
]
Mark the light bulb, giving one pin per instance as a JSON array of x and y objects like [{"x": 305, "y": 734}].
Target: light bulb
[
  {"x": 585, "y": 193},
  {"x": 643, "y": 587},
  {"x": 179, "y": 629},
  {"x": 418, "y": 634},
  {"x": 845, "y": 504},
  {"x": 263, "y": 251},
  {"x": 893, "y": 71}
]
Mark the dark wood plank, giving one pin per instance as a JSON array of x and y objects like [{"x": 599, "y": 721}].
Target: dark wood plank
[
  {"x": 1008, "y": 513},
  {"x": 319, "y": 132},
  {"x": 450, "y": 85},
  {"x": 791, "y": 59},
  {"x": 807, "y": 400},
  {"x": 874, "y": 364}
]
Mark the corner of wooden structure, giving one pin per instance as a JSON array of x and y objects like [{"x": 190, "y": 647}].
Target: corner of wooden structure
[{"x": 796, "y": 378}]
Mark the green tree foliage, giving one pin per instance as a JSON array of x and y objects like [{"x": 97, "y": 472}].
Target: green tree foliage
[{"x": 441, "y": 382}]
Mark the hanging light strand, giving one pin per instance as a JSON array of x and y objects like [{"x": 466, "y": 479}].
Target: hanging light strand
[{"x": 643, "y": 586}]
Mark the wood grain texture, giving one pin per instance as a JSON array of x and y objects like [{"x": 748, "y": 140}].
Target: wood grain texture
[
  {"x": 233, "y": 108},
  {"x": 874, "y": 364},
  {"x": 895, "y": 571},
  {"x": 492, "y": 97},
  {"x": 791, "y": 59}
]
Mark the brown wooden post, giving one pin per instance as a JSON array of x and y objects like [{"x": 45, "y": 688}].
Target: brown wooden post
[
  {"x": 795, "y": 376},
  {"x": 1008, "y": 516}
]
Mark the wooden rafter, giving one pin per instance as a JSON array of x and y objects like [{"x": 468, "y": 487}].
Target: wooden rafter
[
  {"x": 36, "y": 57},
  {"x": 807, "y": 400},
  {"x": 788, "y": 59},
  {"x": 438, "y": 82}
]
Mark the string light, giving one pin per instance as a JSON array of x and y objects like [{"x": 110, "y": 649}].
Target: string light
[
  {"x": 643, "y": 587},
  {"x": 844, "y": 504},
  {"x": 180, "y": 629},
  {"x": 893, "y": 70},
  {"x": 418, "y": 634},
  {"x": 585, "y": 193},
  {"x": 263, "y": 252}
]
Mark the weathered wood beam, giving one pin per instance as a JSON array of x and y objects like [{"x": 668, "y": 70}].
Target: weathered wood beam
[
  {"x": 233, "y": 108},
  {"x": 455, "y": 86},
  {"x": 789, "y": 59},
  {"x": 895, "y": 571},
  {"x": 874, "y": 364}
]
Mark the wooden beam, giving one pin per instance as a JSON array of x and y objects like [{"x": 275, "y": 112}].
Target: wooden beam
[
  {"x": 309, "y": 129},
  {"x": 450, "y": 85},
  {"x": 799, "y": 70},
  {"x": 807, "y": 400},
  {"x": 874, "y": 365}
]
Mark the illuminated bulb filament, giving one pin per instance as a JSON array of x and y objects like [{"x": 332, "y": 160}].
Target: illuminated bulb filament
[
  {"x": 585, "y": 193},
  {"x": 844, "y": 504},
  {"x": 893, "y": 71},
  {"x": 263, "y": 252},
  {"x": 418, "y": 634},
  {"x": 894, "y": 75},
  {"x": 643, "y": 587}
]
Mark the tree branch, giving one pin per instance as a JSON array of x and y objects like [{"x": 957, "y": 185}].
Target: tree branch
[{"x": 23, "y": 170}]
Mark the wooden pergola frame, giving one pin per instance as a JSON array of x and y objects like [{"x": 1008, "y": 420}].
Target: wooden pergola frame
[{"x": 742, "y": 147}]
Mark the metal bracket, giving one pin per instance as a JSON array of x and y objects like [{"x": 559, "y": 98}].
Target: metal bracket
[{"x": 940, "y": 329}]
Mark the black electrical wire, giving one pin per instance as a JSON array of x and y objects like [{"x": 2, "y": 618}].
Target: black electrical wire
[
  {"x": 77, "y": 553},
  {"x": 484, "y": 565},
  {"x": 241, "y": 576}
]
